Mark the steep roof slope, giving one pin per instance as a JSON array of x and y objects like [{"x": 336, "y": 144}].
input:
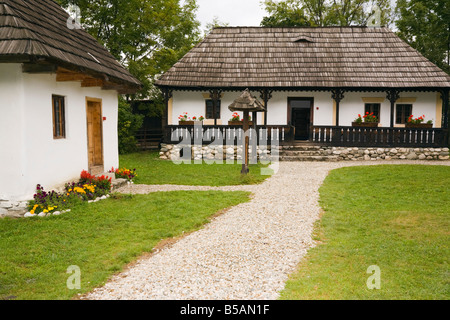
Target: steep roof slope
[
  {"x": 322, "y": 57},
  {"x": 38, "y": 29}
]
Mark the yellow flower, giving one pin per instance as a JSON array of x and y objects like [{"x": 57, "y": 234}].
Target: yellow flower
[
  {"x": 46, "y": 211},
  {"x": 32, "y": 211}
]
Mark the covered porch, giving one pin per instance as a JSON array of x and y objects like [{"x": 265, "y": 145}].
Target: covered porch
[{"x": 312, "y": 132}]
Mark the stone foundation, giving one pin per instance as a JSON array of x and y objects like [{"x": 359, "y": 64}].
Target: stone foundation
[
  {"x": 373, "y": 154},
  {"x": 309, "y": 153},
  {"x": 172, "y": 152},
  {"x": 13, "y": 209}
]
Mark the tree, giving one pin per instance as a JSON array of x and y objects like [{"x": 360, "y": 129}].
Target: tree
[
  {"x": 320, "y": 13},
  {"x": 128, "y": 125},
  {"x": 425, "y": 25},
  {"x": 147, "y": 37},
  {"x": 215, "y": 23}
]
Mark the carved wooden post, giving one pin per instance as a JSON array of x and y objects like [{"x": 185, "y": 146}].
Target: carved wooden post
[
  {"x": 245, "y": 169},
  {"x": 337, "y": 95},
  {"x": 266, "y": 95},
  {"x": 445, "y": 108},
  {"x": 167, "y": 95},
  {"x": 393, "y": 95},
  {"x": 215, "y": 97},
  {"x": 445, "y": 112}
]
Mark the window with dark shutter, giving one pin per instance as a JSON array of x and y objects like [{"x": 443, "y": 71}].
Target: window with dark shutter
[
  {"x": 209, "y": 109},
  {"x": 373, "y": 108},
  {"x": 403, "y": 113},
  {"x": 59, "y": 117}
]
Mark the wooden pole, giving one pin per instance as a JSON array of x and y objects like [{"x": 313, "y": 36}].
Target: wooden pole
[
  {"x": 337, "y": 95},
  {"x": 245, "y": 169}
]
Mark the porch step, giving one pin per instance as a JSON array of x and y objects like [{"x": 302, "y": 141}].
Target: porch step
[
  {"x": 297, "y": 153},
  {"x": 304, "y": 152},
  {"x": 118, "y": 183},
  {"x": 301, "y": 147},
  {"x": 115, "y": 183},
  {"x": 311, "y": 158}
]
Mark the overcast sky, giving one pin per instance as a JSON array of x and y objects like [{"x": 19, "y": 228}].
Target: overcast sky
[{"x": 233, "y": 12}]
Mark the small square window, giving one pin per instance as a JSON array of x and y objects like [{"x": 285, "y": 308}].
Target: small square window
[
  {"x": 209, "y": 114},
  {"x": 404, "y": 111},
  {"x": 59, "y": 117}
]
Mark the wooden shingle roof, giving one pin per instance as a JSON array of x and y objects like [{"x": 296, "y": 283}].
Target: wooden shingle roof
[
  {"x": 37, "y": 30},
  {"x": 322, "y": 57}
]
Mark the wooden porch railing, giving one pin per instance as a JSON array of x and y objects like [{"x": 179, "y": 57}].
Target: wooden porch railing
[
  {"x": 226, "y": 134},
  {"x": 379, "y": 137},
  {"x": 149, "y": 139},
  {"x": 319, "y": 135}
]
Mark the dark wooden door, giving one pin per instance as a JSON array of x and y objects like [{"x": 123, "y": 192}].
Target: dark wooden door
[
  {"x": 301, "y": 116},
  {"x": 95, "y": 137},
  {"x": 301, "y": 120}
]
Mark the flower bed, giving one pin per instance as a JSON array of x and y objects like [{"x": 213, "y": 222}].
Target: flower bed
[
  {"x": 88, "y": 188},
  {"x": 124, "y": 173}
]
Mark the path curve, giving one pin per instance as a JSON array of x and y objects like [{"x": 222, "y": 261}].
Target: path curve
[{"x": 246, "y": 253}]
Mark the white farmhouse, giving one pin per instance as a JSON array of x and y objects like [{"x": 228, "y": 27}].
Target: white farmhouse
[
  {"x": 314, "y": 83},
  {"x": 58, "y": 100}
]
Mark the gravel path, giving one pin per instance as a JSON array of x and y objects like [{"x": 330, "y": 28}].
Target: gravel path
[{"x": 246, "y": 253}]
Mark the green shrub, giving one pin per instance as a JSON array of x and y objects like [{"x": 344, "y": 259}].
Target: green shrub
[{"x": 129, "y": 124}]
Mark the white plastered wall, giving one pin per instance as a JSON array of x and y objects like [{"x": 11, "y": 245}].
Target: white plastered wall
[
  {"x": 425, "y": 103},
  {"x": 29, "y": 154}
]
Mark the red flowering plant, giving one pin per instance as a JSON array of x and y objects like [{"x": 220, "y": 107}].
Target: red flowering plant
[
  {"x": 367, "y": 118},
  {"x": 184, "y": 117},
  {"x": 235, "y": 117},
  {"x": 124, "y": 173},
  {"x": 89, "y": 187},
  {"x": 418, "y": 120}
]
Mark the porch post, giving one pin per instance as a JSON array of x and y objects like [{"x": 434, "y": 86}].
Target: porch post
[
  {"x": 167, "y": 95},
  {"x": 266, "y": 95},
  {"x": 393, "y": 95},
  {"x": 337, "y": 95},
  {"x": 445, "y": 108},
  {"x": 215, "y": 97}
]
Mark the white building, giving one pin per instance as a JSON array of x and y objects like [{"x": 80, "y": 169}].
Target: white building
[
  {"x": 58, "y": 101},
  {"x": 314, "y": 83}
]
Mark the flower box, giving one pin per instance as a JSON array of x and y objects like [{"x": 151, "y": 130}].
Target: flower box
[
  {"x": 419, "y": 125},
  {"x": 189, "y": 123},
  {"x": 365, "y": 124},
  {"x": 238, "y": 123}
]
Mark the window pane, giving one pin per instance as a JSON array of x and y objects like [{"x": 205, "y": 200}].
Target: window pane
[
  {"x": 404, "y": 111},
  {"x": 58, "y": 117},
  {"x": 373, "y": 107},
  {"x": 210, "y": 108},
  {"x": 56, "y": 112}
]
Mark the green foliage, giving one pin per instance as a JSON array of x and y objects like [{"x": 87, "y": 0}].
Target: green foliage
[
  {"x": 147, "y": 37},
  {"x": 320, "y": 13},
  {"x": 425, "y": 25},
  {"x": 215, "y": 23},
  {"x": 128, "y": 125}
]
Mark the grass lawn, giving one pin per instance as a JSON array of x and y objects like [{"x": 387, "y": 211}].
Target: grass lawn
[
  {"x": 152, "y": 170},
  {"x": 394, "y": 217},
  {"x": 100, "y": 238}
]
